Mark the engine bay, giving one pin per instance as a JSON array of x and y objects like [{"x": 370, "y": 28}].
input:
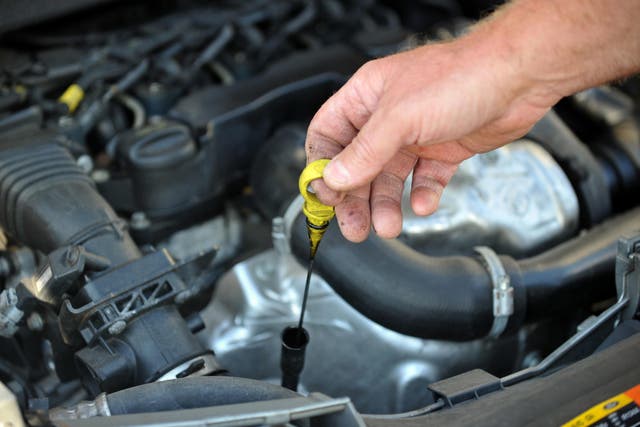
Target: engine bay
[{"x": 153, "y": 248}]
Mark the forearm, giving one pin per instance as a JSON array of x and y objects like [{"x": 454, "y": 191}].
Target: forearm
[{"x": 565, "y": 45}]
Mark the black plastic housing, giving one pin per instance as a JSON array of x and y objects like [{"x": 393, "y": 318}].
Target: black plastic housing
[{"x": 124, "y": 313}]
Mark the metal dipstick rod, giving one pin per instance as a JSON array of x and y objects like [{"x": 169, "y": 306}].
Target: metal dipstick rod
[
  {"x": 305, "y": 296},
  {"x": 318, "y": 216}
]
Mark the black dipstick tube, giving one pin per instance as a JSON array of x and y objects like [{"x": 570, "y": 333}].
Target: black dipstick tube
[{"x": 294, "y": 345}]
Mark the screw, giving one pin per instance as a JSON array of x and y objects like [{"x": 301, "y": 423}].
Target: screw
[
  {"x": 72, "y": 256},
  {"x": 117, "y": 327},
  {"x": 139, "y": 221},
  {"x": 86, "y": 163}
]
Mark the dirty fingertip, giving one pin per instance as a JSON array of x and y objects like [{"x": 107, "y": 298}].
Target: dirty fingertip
[
  {"x": 355, "y": 224},
  {"x": 424, "y": 201},
  {"x": 387, "y": 223}
]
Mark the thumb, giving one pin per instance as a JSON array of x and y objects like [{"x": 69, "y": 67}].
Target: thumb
[{"x": 373, "y": 147}]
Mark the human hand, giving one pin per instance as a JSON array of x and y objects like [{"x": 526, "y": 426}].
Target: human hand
[{"x": 425, "y": 111}]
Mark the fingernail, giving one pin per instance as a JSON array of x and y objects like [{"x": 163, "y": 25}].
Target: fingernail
[{"x": 336, "y": 173}]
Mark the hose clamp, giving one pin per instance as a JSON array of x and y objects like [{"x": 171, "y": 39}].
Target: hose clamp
[{"x": 502, "y": 290}]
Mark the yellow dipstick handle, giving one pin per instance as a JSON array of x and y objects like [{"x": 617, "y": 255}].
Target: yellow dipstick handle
[
  {"x": 72, "y": 97},
  {"x": 318, "y": 214}
]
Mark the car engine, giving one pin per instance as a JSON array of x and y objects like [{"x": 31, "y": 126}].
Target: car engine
[{"x": 152, "y": 247}]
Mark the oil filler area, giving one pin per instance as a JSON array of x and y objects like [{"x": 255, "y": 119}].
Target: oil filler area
[{"x": 165, "y": 261}]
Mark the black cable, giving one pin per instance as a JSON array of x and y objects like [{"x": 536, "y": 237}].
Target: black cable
[
  {"x": 295, "y": 24},
  {"x": 213, "y": 48}
]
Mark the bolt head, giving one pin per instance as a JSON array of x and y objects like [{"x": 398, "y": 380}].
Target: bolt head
[
  {"x": 72, "y": 256},
  {"x": 181, "y": 297},
  {"x": 117, "y": 327},
  {"x": 139, "y": 221},
  {"x": 85, "y": 163}
]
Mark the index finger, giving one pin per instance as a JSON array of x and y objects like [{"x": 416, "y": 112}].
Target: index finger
[{"x": 332, "y": 128}]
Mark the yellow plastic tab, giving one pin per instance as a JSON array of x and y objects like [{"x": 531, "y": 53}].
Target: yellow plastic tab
[
  {"x": 72, "y": 97},
  {"x": 318, "y": 214}
]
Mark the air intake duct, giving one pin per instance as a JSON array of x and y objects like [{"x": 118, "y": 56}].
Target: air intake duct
[{"x": 46, "y": 202}]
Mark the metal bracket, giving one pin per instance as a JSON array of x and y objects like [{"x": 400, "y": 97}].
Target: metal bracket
[
  {"x": 123, "y": 293},
  {"x": 627, "y": 262},
  {"x": 502, "y": 290},
  {"x": 628, "y": 274}
]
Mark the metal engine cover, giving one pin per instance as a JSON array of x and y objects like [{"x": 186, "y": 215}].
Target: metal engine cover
[{"x": 516, "y": 199}]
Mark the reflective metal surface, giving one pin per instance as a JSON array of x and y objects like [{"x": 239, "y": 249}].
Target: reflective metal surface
[
  {"x": 99, "y": 407},
  {"x": 223, "y": 232},
  {"x": 380, "y": 370},
  {"x": 516, "y": 200},
  {"x": 204, "y": 365}
]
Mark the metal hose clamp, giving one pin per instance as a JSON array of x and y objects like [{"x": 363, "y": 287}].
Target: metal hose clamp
[{"x": 502, "y": 290}]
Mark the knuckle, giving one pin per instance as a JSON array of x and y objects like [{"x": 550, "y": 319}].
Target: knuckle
[
  {"x": 385, "y": 201},
  {"x": 388, "y": 184},
  {"x": 429, "y": 184},
  {"x": 367, "y": 69}
]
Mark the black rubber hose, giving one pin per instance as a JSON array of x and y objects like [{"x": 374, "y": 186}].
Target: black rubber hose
[
  {"x": 28, "y": 117},
  {"x": 47, "y": 202},
  {"x": 583, "y": 170},
  {"x": 451, "y": 297},
  {"x": 188, "y": 393},
  {"x": 577, "y": 270},
  {"x": 445, "y": 298}
]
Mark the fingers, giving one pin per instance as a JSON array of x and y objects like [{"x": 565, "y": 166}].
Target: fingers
[
  {"x": 429, "y": 179},
  {"x": 321, "y": 147},
  {"x": 373, "y": 147},
  {"x": 386, "y": 195},
  {"x": 337, "y": 123},
  {"x": 354, "y": 216}
]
